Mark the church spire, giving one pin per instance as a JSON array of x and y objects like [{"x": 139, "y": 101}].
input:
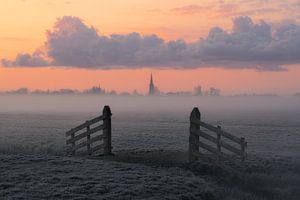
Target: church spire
[
  {"x": 151, "y": 79},
  {"x": 151, "y": 86}
]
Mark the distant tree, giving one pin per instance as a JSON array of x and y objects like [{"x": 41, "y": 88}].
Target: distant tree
[
  {"x": 214, "y": 91},
  {"x": 64, "y": 91},
  {"x": 297, "y": 94},
  {"x": 113, "y": 92},
  {"x": 20, "y": 91},
  {"x": 136, "y": 93},
  {"x": 40, "y": 92},
  {"x": 180, "y": 93},
  {"x": 124, "y": 93}
]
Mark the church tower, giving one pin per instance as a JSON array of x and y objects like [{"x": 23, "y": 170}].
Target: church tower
[{"x": 151, "y": 86}]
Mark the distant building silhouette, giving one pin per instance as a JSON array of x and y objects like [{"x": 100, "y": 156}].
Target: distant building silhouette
[
  {"x": 95, "y": 90},
  {"x": 152, "y": 89},
  {"x": 198, "y": 90}
]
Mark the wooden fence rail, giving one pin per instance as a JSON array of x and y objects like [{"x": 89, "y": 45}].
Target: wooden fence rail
[
  {"x": 80, "y": 136},
  {"x": 196, "y": 133}
]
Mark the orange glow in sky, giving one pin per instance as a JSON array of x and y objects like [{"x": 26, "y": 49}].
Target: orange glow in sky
[
  {"x": 24, "y": 24},
  {"x": 229, "y": 81}
]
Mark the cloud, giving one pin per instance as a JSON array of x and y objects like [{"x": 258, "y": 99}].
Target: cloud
[
  {"x": 252, "y": 44},
  {"x": 27, "y": 60},
  {"x": 191, "y": 9},
  {"x": 71, "y": 43}
]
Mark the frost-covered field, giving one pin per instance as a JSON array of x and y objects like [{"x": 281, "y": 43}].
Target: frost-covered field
[{"x": 150, "y": 139}]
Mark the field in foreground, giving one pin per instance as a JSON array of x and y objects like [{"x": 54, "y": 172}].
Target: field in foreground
[
  {"x": 150, "y": 139},
  {"x": 146, "y": 175}
]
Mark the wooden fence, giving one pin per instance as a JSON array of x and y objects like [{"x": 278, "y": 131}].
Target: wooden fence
[
  {"x": 80, "y": 136},
  {"x": 218, "y": 141}
]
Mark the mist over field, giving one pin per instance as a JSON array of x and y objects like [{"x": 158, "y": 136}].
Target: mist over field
[
  {"x": 156, "y": 122},
  {"x": 150, "y": 142},
  {"x": 89, "y": 103}
]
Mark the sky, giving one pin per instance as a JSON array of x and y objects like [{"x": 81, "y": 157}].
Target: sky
[{"x": 238, "y": 46}]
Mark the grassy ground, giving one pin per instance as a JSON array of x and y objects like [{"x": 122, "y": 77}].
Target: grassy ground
[
  {"x": 147, "y": 175},
  {"x": 256, "y": 179}
]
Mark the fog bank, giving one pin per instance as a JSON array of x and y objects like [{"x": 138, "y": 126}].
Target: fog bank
[{"x": 144, "y": 104}]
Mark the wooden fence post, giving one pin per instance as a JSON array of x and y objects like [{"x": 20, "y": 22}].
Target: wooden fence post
[
  {"x": 193, "y": 139},
  {"x": 107, "y": 130},
  {"x": 243, "y": 147},
  {"x": 88, "y": 137}
]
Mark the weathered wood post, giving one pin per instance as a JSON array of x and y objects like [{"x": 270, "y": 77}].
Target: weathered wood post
[
  {"x": 107, "y": 130},
  {"x": 193, "y": 138},
  {"x": 88, "y": 138},
  {"x": 243, "y": 147}
]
